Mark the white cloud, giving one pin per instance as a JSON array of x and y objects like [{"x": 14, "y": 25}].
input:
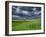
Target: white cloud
[
  {"x": 25, "y": 12},
  {"x": 15, "y": 16},
  {"x": 37, "y": 12},
  {"x": 34, "y": 9}
]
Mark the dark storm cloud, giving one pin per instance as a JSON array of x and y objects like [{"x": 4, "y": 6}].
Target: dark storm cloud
[{"x": 25, "y": 12}]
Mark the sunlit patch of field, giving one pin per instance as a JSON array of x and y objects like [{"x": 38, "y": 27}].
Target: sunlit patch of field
[{"x": 34, "y": 24}]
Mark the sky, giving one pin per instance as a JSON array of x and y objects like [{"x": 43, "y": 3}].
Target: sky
[{"x": 25, "y": 12}]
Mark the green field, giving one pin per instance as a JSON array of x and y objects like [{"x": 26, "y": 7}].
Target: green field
[{"x": 34, "y": 24}]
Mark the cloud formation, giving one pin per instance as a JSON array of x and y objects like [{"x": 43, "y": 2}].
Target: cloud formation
[{"x": 25, "y": 12}]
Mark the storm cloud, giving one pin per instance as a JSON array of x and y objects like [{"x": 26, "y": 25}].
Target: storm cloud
[{"x": 25, "y": 12}]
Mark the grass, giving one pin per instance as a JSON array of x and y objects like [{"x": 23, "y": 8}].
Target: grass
[{"x": 34, "y": 24}]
